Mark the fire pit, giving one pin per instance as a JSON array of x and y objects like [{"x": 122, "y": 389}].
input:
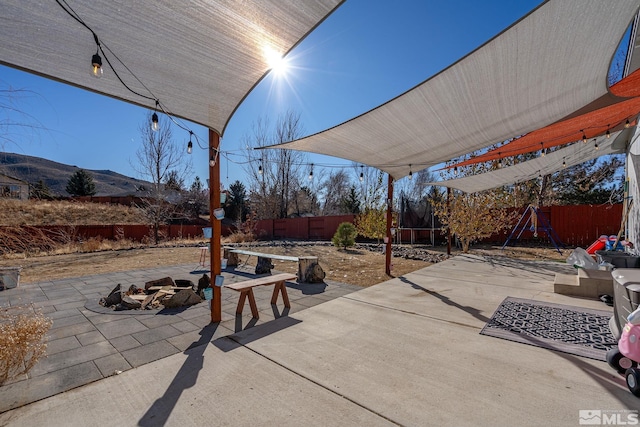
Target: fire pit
[{"x": 156, "y": 294}]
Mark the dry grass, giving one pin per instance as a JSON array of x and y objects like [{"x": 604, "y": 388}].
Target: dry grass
[
  {"x": 34, "y": 212},
  {"x": 22, "y": 344}
]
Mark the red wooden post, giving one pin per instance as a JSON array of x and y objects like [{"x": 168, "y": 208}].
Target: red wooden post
[
  {"x": 449, "y": 225},
  {"x": 216, "y": 225},
  {"x": 389, "y": 222}
]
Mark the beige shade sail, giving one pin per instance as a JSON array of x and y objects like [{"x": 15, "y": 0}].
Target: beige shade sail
[
  {"x": 571, "y": 155},
  {"x": 199, "y": 58},
  {"x": 548, "y": 66}
]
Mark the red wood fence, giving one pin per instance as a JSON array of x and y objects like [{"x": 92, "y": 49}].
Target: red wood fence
[{"x": 575, "y": 225}]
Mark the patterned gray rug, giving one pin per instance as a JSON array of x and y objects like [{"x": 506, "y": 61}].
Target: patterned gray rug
[{"x": 575, "y": 330}]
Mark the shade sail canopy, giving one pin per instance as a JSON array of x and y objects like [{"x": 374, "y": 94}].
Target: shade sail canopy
[
  {"x": 548, "y": 66},
  {"x": 571, "y": 155},
  {"x": 618, "y": 113},
  {"x": 198, "y": 58}
]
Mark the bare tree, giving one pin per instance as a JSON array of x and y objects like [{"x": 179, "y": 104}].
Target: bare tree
[
  {"x": 159, "y": 158},
  {"x": 335, "y": 190},
  {"x": 275, "y": 175},
  {"x": 372, "y": 188}
]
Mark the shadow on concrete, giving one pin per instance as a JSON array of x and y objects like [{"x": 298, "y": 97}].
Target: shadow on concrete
[
  {"x": 308, "y": 288},
  {"x": 471, "y": 310},
  {"x": 186, "y": 377},
  {"x": 247, "y": 336}
]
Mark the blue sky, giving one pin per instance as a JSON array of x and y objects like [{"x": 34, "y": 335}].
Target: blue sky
[{"x": 363, "y": 55}]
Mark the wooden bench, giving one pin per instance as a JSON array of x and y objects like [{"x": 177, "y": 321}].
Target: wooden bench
[
  {"x": 246, "y": 290},
  {"x": 308, "y": 268}
]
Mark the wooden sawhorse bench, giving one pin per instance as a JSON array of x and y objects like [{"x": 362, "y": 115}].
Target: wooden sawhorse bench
[{"x": 246, "y": 290}]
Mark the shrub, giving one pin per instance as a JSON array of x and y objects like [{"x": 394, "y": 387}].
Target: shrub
[
  {"x": 22, "y": 332},
  {"x": 345, "y": 235}
]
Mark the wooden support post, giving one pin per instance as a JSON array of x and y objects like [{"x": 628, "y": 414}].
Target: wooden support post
[
  {"x": 448, "y": 227},
  {"x": 389, "y": 222},
  {"x": 216, "y": 225}
]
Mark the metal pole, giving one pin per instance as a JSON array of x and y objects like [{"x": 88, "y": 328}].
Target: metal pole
[
  {"x": 216, "y": 225},
  {"x": 389, "y": 222}
]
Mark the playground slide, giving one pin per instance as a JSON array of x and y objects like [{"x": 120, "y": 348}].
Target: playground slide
[{"x": 598, "y": 245}]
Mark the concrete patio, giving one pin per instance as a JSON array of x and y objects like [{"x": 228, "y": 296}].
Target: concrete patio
[{"x": 404, "y": 352}]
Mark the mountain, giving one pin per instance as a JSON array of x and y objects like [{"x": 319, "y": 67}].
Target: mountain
[{"x": 56, "y": 175}]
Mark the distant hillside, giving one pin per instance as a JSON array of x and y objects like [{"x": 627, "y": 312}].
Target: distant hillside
[{"x": 56, "y": 175}]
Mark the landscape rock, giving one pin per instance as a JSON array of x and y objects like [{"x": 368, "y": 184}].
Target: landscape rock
[
  {"x": 183, "y": 298},
  {"x": 129, "y": 303},
  {"x": 114, "y": 297}
]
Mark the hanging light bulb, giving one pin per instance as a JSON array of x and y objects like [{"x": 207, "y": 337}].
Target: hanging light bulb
[
  {"x": 627, "y": 124},
  {"x": 311, "y": 173},
  {"x": 540, "y": 176},
  {"x": 499, "y": 163},
  {"x": 564, "y": 164},
  {"x": 361, "y": 173},
  {"x": 154, "y": 122},
  {"x": 584, "y": 138},
  {"x": 96, "y": 65},
  {"x": 190, "y": 144},
  {"x": 260, "y": 169},
  {"x": 596, "y": 145},
  {"x": 410, "y": 173},
  {"x": 154, "y": 119},
  {"x": 608, "y": 134},
  {"x": 455, "y": 170},
  {"x": 212, "y": 159}
]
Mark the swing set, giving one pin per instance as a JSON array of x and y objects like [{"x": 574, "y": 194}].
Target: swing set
[{"x": 535, "y": 220}]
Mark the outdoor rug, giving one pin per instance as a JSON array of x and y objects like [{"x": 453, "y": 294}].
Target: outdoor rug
[{"x": 575, "y": 330}]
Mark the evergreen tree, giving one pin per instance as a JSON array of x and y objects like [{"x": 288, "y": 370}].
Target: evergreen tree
[
  {"x": 236, "y": 207},
  {"x": 81, "y": 184},
  {"x": 351, "y": 203}
]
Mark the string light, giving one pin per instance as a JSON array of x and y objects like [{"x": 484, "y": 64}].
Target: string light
[
  {"x": 96, "y": 65},
  {"x": 608, "y": 133},
  {"x": 627, "y": 124},
  {"x": 260, "y": 169},
  {"x": 596, "y": 145},
  {"x": 584, "y": 137},
  {"x": 410, "y": 173},
  {"x": 564, "y": 164},
  {"x": 190, "y": 144},
  {"x": 361, "y": 173},
  {"x": 154, "y": 119},
  {"x": 499, "y": 163},
  {"x": 455, "y": 170},
  {"x": 311, "y": 173}
]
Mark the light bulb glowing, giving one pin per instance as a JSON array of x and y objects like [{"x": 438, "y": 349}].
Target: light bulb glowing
[
  {"x": 96, "y": 66},
  {"x": 608, "y": 134},
  {"x": 584, "y": 138},
  {"x": 627, "y": 124}
]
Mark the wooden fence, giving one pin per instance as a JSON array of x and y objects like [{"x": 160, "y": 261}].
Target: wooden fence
[{"x": 575, "y": 225}]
